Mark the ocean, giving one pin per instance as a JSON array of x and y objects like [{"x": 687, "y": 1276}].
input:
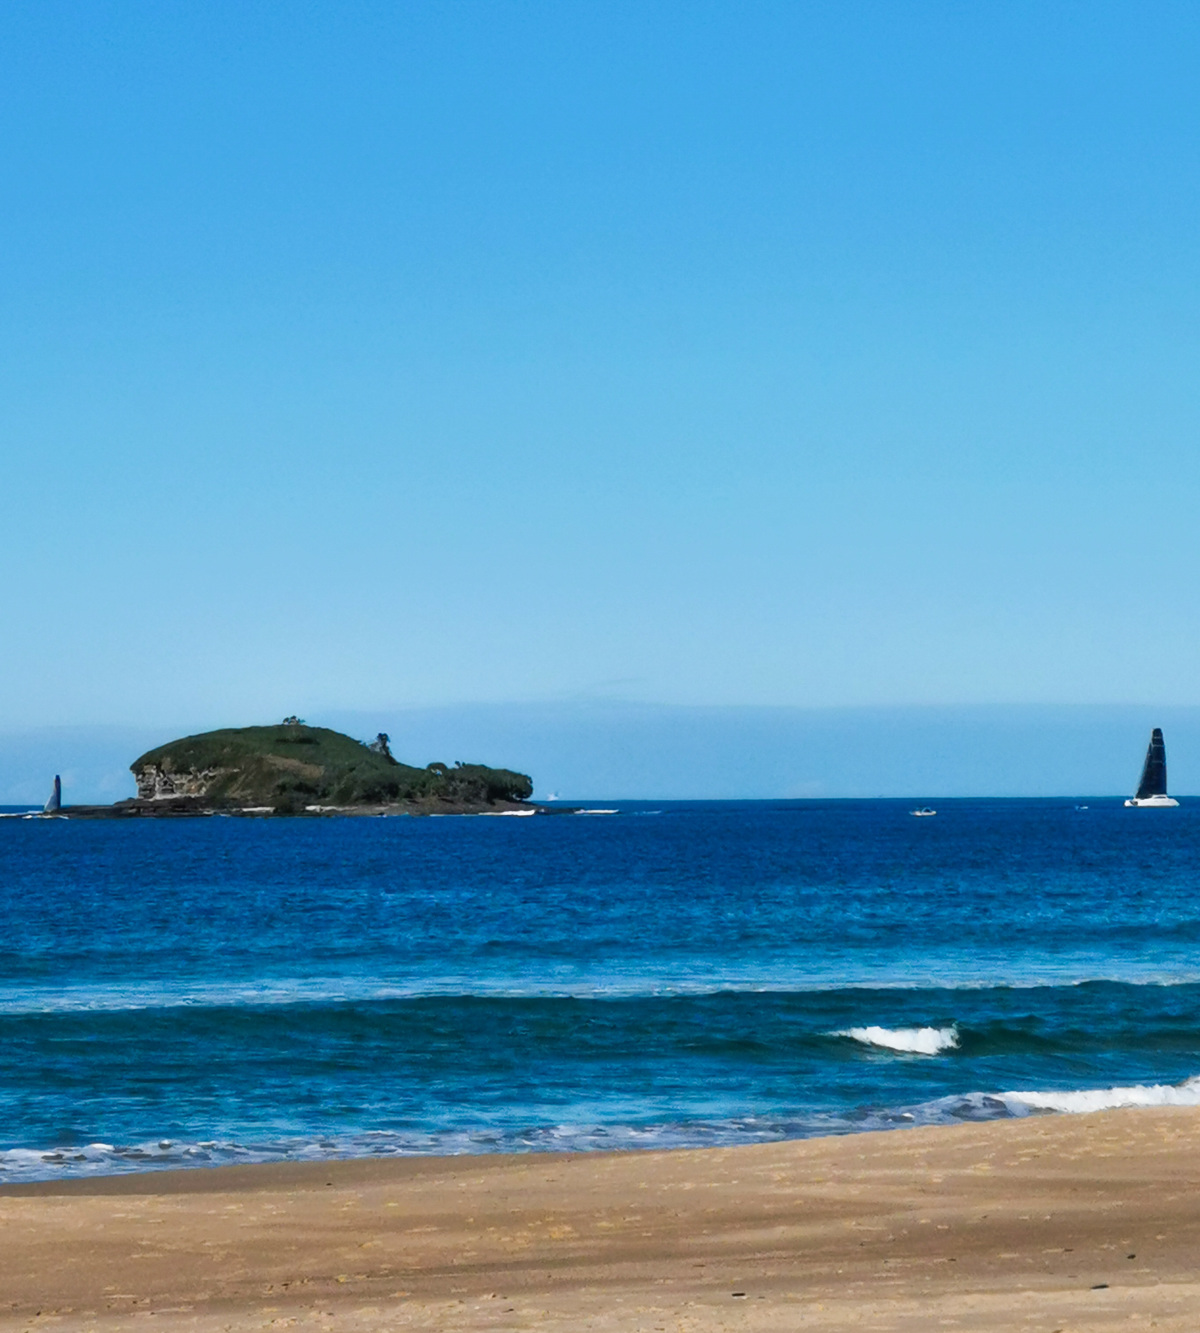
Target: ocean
[{"x": 192, "y": 992}]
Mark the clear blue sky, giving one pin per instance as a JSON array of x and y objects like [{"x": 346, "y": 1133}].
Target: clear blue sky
[{"x": 359, "y": 356}]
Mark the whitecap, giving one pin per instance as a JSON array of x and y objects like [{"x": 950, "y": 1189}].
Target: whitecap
[
  {"x": 908, "y": 1041},
  {"x": 1085, "y": 1100}
]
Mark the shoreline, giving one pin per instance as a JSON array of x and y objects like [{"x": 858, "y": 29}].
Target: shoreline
[
  {"x": 1069, "y": 1221},
  {"x": 194, "y": 808}
]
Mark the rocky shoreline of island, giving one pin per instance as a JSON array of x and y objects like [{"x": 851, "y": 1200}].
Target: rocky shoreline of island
[{"x": 191, "y": 809}]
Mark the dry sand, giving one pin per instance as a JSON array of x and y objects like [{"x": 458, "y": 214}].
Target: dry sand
[{"x": 1069, "y": 1222}]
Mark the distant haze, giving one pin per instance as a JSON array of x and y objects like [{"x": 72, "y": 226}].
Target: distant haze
[{"x": 655, "y": 752}]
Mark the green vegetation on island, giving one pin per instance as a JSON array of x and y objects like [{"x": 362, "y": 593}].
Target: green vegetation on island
[{"x": 293, "y": 768}]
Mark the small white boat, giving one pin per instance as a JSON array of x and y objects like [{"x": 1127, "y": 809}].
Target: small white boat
[
  {"x": 1152, "y": 790},
  {"x": 923, "y": 813}
]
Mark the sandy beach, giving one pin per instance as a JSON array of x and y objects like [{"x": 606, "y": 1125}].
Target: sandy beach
[{"x": 1050, "y": 1223}]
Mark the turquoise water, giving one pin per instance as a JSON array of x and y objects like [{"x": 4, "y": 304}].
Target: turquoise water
[{"x": 198, "y": 991}]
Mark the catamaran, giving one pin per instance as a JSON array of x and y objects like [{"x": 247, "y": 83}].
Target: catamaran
[{"x": 1152, "y": 790}]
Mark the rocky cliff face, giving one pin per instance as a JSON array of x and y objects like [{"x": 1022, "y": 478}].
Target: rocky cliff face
[
  {"x": 155, "y": 783},
  {"x": 293, "y": 767}
]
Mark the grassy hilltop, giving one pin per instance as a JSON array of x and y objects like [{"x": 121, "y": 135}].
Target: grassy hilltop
[{"x": 290, "y": 766}]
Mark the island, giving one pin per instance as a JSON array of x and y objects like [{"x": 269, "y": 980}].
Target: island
[{"x": 295, "y": 769}]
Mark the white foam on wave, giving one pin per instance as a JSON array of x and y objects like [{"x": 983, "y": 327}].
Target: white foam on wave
[
  {"x": 908, "y": 1041},
  {"x": 104, "y": 1159},
  {"x": 1026, "y": 1102},
  {"x": 101, "y": 1159},
  {"x": 1087, "y": 1100}
]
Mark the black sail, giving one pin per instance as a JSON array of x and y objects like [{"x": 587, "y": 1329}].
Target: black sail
[{"x": 1154, "y": 771}]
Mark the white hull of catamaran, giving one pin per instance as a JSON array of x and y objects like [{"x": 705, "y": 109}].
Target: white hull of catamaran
[{"x": 1152, "y": 802}]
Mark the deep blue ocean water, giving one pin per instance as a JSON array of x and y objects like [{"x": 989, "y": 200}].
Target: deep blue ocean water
[{"x": 197, "y": 991}]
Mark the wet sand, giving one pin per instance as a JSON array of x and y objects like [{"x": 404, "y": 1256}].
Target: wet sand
[{"x": 1052, "y": 1223}]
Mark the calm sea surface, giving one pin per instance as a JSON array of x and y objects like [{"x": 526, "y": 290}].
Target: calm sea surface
[{"x": 199, "y": 991}]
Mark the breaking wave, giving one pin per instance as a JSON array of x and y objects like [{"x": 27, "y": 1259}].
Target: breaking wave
[
  {"x": 1107, "y": 1099},
  {"x": 908, "y": 1041}
]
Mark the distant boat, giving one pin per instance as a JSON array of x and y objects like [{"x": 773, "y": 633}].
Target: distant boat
[
  {"x": 54, "y": 804},
  {"x": 1152, "y": 790},
  {"x": 923, "y": 813}
]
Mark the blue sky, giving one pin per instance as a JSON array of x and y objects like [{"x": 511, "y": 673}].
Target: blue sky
[{"x": 371, "y": 356}]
